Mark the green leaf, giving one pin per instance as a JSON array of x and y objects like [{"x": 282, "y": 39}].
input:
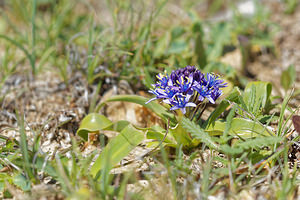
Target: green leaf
[
  {"x": 21, "y": 181},
  {"x": 148, "y": 81},
  {"x": 158, "y": 109},
  {"x": 232, "y": 97},
  {"x": 285, "y": 80},
  {"x": 220, "y": 36},
  {"x": 24, "y": 149},
  {"x": 221, "y": 68},
  {"x": 118, "y": 126},
  {"x": 263, "y": 42},
  {"x": 225, "y": 148},
  {"x": 240, "y": 127},
  {"x": 162, "y": 45},
  {"x": 257, "y": 96},
  {"x": 21, "y": 47},
  {"x": 198, "y": 133},
  {"x": 2, "y": 186},
  {"x": 259, "y": 142},
  {"x": 45, "y": 56},
  {"x": 181, "y": 135},
  {"x": 159, "y": 136},
  {"x": 177, "y": 46},
  {"x": 288, "y": 77},
  {"x": 284, "y": 106},
  {"x": 262, "y": 89},
  {"x": 118, "y": 148},
  {"x": 199, "y": 45},
  {"x": 177, "y": 32},
  {"x": 92, "y": 123},
  {"x": 259, "y": 155},
  {"x": 290, "y": 6},
  {"x": 45, "y": 166},
  {"x": 292, "y": 72}
]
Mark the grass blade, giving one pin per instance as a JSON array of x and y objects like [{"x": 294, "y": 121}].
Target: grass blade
[{"x": 24, "y": 149}]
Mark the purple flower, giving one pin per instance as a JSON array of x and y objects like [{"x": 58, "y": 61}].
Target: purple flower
[
  {"x": 185, "y": 84},
  {"x": 213, "y": 81},
  {"x": 164, "y": 79},
  {"x": 214, "y": 95},
  {"x": 203, "y": 91},
  {"x": 181, "y": 88},
  {"x": 181, "y": 102},
  {"x": 163, "y": 93}
]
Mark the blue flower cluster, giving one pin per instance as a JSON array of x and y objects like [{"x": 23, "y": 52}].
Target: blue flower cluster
[{"x": 187, "y": 87}]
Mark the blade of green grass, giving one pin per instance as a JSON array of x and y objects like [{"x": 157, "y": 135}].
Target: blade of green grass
[
  {"x": 24, "y": 149},
  {"x": 33, "y": 36},
  {"x": 21, "y": 47}
]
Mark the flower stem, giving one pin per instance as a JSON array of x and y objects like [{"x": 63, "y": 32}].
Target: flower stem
[
  {"x": 203, "y": 108},
  {"x": 195, "y": 111}
]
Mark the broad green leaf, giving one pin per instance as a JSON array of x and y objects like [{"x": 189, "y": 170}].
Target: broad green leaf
[
  {"x": 177, "y": 32},
  {"x": 158, "y": 109},
  {"x": 288, "y": 77},
  {"x": 181, "y": 135},
  {"x": 266, "y": 119},
  {"x": 259, "y": 142},
  {"x": 157, "y": 133},
  {"x": 257, "y": 96},
  {"x": 285, "y": 80},
  {"x": 45, "y": 166},
  {"x": 119, "y": 147},
  {"x": 262, "y": 89},
  {"x": 21, "y": 181},
  {"x": 229, "y": 119},
  {"x": 225, "y": 148},
  {"x": 241, "y": 127},
  {"x": 177, "y": 46},
  {"x": 118, "y": 126},
  {"x": 198, "y": 133},
  {"x": 93, "y": 122},
  {"x": 257, "y": 156},
  {"x": 1, "y": 186},
  {"x": 159, "y": 136},
  {"x": 293, "y": 73}
]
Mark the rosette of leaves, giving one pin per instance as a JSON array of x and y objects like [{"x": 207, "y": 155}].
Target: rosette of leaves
[{"x": 183, "y": 95}]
